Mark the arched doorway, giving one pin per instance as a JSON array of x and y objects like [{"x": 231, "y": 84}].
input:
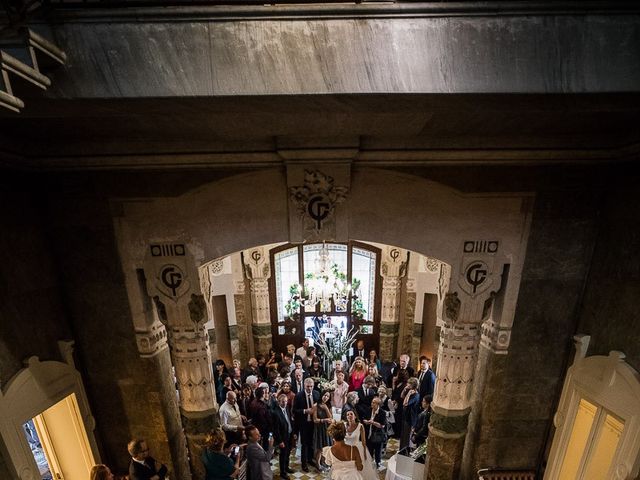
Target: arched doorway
[{"x": 475, "y": 236}]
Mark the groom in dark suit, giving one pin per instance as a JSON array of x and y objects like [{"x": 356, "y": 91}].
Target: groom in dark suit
[
  {"x": 143, "y": 466},
  {"x": 302, "y": 406}
]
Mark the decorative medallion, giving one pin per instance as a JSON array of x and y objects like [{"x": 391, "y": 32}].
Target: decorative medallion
[
  {"x": 317, "y": 199},
  {"x": 431, "y": 264},
  {"x": 216, "y": 267}
]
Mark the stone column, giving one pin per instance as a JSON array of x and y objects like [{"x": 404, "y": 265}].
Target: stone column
[
  {"x": 165, "y": 434},
  {"x": 174, "y": 285},
  {"x": 258, "y": 271},
  {"x": 472, "y": 283},
  {"x": 393, "y": 268}
]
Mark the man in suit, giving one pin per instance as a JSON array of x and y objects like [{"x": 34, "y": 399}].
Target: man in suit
[
  {"x": 302, "y": 407},
  {"x": 404, "y": 365},
  {"x": 297, "y": 382},
  {"x": 366, "y": 393},
  {"x": 426, "y": 378},
  {"x": 259, "y": 412},
  {"x": 258, "y": 466},
  {"x": 359, "y": 351},
  {"x": 143, "y": 466},
  {"x": 282, "y": 433}
]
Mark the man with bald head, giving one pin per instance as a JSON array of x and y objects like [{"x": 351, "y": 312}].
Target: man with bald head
[{"x": 231, "y": 420}]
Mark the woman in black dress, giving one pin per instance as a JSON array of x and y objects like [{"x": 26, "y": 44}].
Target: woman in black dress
[{"x": 322, "y": 418}]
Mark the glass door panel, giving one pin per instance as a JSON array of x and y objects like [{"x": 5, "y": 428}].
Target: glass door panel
[
  {"x": 604, "y": 448},
  {"x": 578, "y": 440}
]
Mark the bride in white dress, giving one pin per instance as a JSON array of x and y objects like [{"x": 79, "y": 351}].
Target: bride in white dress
[
  {"x": 344, "y": 460},
  {"x": 356, "y": 437}
]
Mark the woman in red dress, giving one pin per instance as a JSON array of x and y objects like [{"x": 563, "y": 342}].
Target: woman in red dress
[{"x": 357, "y": 374}]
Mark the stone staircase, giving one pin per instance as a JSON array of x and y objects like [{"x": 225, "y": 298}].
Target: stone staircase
[{"x": 25, "y": 59}]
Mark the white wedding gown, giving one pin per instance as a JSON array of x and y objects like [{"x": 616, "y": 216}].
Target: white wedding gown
[
  {"x": 341, "y": 469},
  {"x": 355, "y": 440}
]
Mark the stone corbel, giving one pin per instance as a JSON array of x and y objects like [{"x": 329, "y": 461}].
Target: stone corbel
[{"x": 495, "y": 338}]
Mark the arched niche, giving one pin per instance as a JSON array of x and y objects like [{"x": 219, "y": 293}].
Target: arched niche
[
  {"x": 34, "y": 389},
  {"x": 612, "y": 386}
]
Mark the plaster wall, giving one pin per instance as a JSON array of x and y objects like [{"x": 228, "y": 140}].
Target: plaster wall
[
  {"x": 33, "y": 314},
  {"x": 610, "y": 314}
]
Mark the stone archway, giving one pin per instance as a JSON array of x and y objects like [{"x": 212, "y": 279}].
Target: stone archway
[{"x": 478, "y": 236}]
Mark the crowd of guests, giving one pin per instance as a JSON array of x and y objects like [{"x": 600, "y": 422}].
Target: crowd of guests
[
  {"x": 340, "y": 418},
  {"x": 280, "y": 400}
]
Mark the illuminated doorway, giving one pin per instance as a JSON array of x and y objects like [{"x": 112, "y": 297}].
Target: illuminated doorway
[{"x": 59, "y": 442}]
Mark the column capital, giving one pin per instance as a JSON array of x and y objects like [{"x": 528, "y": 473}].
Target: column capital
[
  {"x": 172, "y": 274},
  {"x": 394, "y": 262},
  {"x": 256, "y": 263}
]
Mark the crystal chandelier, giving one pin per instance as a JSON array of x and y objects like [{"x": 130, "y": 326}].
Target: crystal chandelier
[{"x": 325, "y": 284}]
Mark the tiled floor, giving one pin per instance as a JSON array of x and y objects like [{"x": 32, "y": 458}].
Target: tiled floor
[{"x": 313, "y": 474}]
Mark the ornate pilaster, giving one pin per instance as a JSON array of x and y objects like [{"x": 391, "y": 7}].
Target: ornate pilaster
[
  {"x": 192, "y": 361},
  {"x": 463, "y": 309},
  {"x": 174, "y": 285},
  {"x": 393, "y": 268},
  {"x": 457, "y": 358},
  {"x": 258, "y": 271}
]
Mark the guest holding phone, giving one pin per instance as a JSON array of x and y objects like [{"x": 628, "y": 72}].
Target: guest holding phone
[{"x": 217, "y": 464}]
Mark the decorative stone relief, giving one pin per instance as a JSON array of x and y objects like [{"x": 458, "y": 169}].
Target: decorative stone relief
[
  {"x": 197, "y": 309},
  {"x": 192, "y": 362},
  {"x": 152, "y": 340},
  {"x": 409, "y": 317},
  {"x": 456, "y": 364},
  {"x": 477, "y": 272},
  {"x": 315, "y": 202},
  {"x": 431, "y": 264},
  {"x": 175, "y": 282},
  {"x": 495, "y": 338},
  {"x": 216, "y": 267},
  {"x": 256, "y": 265}
]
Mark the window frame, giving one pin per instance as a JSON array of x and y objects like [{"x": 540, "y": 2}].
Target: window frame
[
  {"x": 613, "y": 387},
  {"x": 371, "y": 340}
]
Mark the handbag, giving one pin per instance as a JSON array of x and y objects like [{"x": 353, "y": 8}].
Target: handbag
[{"x": 378, "y": 436}]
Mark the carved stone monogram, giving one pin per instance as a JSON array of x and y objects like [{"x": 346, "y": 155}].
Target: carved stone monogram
[
  {"x": 170, "y": 272},
  {"x": 477, "y": 266},
  {"x": 316, "y": 200},
  {"x": 172, "y": 281}
]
